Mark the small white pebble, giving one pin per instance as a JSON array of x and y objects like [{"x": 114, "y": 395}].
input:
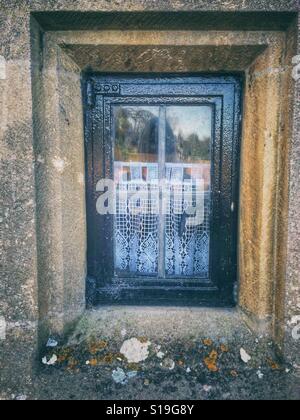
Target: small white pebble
[
  {"x": 51, "y": 361},
  {"x": 245, "y": 356},
  {"x": 160, "y": 355},
  {"x": 260, "y": 374}
]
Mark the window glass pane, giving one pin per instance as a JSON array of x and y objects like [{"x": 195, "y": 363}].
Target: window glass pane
[
  {"x": 136, "y": 129},
  {"x": 136, "y": 173},
  {"x": 188, "y": 183},
  {"x": 187, "y": 143},
  {"x": 188, "y": 134}
]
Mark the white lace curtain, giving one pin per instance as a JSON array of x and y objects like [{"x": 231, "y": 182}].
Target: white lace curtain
[{"x": 137, "y": 234}]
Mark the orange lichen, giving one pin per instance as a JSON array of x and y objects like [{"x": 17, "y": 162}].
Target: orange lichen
[
  {"x": 224, "y": 348},
  {"x": 64, "y": 355},
  {"x": 61, "y": 359},
  {"x": 107, "y": 359},
  {"x": 273, "y": 365},
  {"x": 97, "y": 346},
  {"x": 72, "y": 364},
  {"x": 211, "y": 361}
]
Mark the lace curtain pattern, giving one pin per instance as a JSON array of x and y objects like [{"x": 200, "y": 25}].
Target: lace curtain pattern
[
  {"x": 187, "y": 244},
  {"x": 137, "y": 224}
]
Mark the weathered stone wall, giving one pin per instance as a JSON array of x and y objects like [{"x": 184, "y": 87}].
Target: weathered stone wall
[
  {"x": 292, "y": 277},
  {"x": 42, "y": 284},
  {"x": 60, "y": 185},
  {"x": 19, "y": 284},
  {"x": 149, "y": 5},
  {"x": 258, "y": 180}
]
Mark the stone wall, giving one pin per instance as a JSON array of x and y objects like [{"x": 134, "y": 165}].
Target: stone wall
[
  {"x": 291, "y": 277},
  {"x": 42, "y": 185}
]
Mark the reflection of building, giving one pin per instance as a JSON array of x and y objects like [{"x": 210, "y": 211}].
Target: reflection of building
[{"x": 175, "y": 172}]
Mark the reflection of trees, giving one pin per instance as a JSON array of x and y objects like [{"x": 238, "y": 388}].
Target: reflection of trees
[
  {"x": 188, "y": 148},
  {"x": 136, "y": 132},
  {"x": 195, "y": 147}
]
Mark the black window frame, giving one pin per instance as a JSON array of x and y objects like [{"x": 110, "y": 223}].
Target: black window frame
[{"x": 224, "y": 94}]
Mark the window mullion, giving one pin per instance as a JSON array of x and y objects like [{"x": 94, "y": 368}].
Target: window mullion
[{"x": 161, "y": 177}]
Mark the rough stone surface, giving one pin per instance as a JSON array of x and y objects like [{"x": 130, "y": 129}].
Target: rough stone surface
[
  {"x": 292, "y": 287},
  {"x": 201, "y": 359},
  {"x": 60, "y": 181},
  {"x": 145, "y": 5},
  {"x": 115, "y": 58},
  {"x": 42, "y": 281}
]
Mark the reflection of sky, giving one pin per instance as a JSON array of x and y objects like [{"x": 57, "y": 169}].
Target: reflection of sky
[
  {"x": 190, "y": 120},
  {"x": 152, "y": 109}
]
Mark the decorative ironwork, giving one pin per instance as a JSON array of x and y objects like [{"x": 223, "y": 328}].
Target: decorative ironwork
[
  {"x": 113, "y": 238},
  {"x": 108, "y": 88}
]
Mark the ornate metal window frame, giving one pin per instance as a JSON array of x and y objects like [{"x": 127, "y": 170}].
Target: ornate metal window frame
[{"x": 223, "y": 94}]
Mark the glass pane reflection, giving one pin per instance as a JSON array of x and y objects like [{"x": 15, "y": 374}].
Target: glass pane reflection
[
  {"x": 188, "y": 165},
  {"x": 188, "y": 137},
  {"x": 136, "y": 133},
  {"x": 136, "y": 170}
]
